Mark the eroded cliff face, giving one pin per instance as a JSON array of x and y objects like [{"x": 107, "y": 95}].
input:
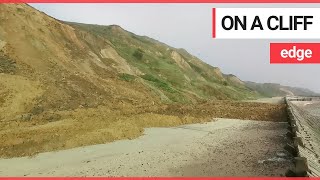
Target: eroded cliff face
[{"x": 76, "y": 65}]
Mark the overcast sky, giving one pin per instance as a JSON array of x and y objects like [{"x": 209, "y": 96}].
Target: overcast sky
[{"x": 188, "y": 26}]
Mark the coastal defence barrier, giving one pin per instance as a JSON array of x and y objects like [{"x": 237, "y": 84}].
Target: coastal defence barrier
[{"x": 304, "y": 130}]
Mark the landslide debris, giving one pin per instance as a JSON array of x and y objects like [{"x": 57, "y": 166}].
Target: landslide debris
[{"x": 106, "y": 124}]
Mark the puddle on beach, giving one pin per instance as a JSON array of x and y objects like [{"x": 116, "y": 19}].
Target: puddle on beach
[{"x": 280, "y": 157}]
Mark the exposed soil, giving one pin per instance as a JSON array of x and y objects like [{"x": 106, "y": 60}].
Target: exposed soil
[{"x": 56, "y": 130}]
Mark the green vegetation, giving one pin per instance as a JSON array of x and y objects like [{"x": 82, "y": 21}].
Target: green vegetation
[
  {"x": 138, "y": 54},
  {"x": 187, "y": 79},
  {"x": 20, "y": 10},
  {"x": 6, "y": 64},
  {"x": 225, "y": 83},
  {"x": 157, "y": 82},
  {"x": 127, "y": 77}
]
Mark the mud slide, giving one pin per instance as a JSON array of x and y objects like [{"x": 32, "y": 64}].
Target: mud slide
[{"x": 223, "y": 147}]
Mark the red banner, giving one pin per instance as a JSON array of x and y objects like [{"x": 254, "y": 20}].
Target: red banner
[
  {"x": 158, "y": 178},
  {"x": 159, "y": 1},
  {"x": 295, "y": 53}
]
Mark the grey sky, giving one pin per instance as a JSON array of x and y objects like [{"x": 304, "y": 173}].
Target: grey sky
[{"x": 188, "y": 26}]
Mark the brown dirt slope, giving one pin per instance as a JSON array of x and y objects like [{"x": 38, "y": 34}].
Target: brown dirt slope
[{"x": 58, "y": 57}]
